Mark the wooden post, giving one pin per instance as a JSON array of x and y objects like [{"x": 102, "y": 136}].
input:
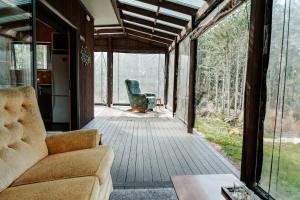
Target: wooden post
[
  {"x": 166, "y": 79},
  {"x": 192, "y": 80},
  {"x": 175, "y": 78},
  {"x": 255, "y": 91},
  {"x": 109, "y": 73}
]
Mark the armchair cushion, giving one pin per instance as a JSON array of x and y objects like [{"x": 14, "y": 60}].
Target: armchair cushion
[
  {"x": 72, "y": 140},
  {"x": 82, "y": 188},
  {"x": 88, "y": 162}
]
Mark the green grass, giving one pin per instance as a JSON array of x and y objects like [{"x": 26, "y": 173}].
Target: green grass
[
  {"x": 217, "y": 131},
  {"x": 288, "y": 187}
]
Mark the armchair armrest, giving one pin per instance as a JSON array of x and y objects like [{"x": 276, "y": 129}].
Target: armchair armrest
[
  {"x": 72, "y": 140},
  {"x": 149, "y": 94}
]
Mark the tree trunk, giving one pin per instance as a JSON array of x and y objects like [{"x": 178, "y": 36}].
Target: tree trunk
[{"x": 237, "y": 74}]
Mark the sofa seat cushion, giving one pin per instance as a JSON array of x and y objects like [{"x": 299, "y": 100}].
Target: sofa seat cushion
[
  {"x": 82, "y": 188},
  {"x": 88, "y": 162}
]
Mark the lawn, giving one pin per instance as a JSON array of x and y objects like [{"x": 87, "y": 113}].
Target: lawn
[
  {"x": 288, "y": 186},
  {"x": 218, "y": 132}
]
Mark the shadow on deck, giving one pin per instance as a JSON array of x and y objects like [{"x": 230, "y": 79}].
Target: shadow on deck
[{"x": 151, "y": 147}]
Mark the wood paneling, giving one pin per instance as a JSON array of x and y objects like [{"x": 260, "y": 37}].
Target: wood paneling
[{"x": 43, "y": 32}]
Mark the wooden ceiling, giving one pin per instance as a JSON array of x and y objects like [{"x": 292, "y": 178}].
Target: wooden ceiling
[{"x": 161, "y": 28}]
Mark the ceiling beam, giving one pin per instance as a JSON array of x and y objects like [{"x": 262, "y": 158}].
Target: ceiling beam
[
  {"x": 150, "y": 23},
  {"x": 150, "y": 31},
  {"x": 172, "y": 6},
  {"x": 145, "y": 35},
  {"x": 146, "y": 40},
  {"x": 108, "y": 30},
  {"x": 117, "y": 11},
  {"x": 152, "y": 14}
]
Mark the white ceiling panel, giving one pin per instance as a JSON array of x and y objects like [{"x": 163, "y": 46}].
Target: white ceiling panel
[{"x": 102, "y": 11}]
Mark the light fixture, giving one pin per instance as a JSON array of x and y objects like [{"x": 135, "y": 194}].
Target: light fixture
[{"x": 88, "y": 18}]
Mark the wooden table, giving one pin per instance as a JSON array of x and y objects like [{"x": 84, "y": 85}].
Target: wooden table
[{"x": 202, "y": 187}]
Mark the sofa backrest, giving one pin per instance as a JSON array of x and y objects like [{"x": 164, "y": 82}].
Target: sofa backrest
[
  {"x": 22, "y": 133},
  {"x": 133, "y": 86}
]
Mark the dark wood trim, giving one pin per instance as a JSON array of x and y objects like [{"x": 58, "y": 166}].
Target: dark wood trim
[
  {"x": 147, "y": 36},
  {"x": 255, "y": 91},
  {"x": 152, "y": 14},
  {"x": 109, "y": 73},
  {"x": 150, "y": 31},
  {"x": 150, "y": 23},
  {"x": 107, "y": 25},
  {"x": 166, "y": 79},
  {"x": 176, "y": 60},
  {"x": 172, "y": 6}
]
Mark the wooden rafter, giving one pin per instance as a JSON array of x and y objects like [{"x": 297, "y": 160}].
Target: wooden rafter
[
  {"x": 150, "y": 31},
  {"x": 151, "y": 23},
  {"x": 172, "y": 6},
  {"x": 152, "y": 14},
  {"x": 145, "y": 35},
  {"x": 10, "y": 11},
  {"x": 146, "y": 40},
  {"x": 117, "y": 11}
]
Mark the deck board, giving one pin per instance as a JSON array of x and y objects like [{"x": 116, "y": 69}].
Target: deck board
[{"x": 151, "y": 147}]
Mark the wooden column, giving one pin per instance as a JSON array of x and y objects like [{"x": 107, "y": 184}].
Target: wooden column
[
  {"x": 109, "y": 73},
  {"x": 175, "y": 78},
  {"x": 192, "y": 80},
  {"x": 255, "y": 91},
  {"x": 166, "y": 79}
]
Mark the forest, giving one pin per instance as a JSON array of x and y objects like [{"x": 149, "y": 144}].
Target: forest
[
  {"x": 220, "y": 79},
  {"x": 220, "y": 85}
]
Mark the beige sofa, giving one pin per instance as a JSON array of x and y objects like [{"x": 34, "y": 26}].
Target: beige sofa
[{"x": 70, "y": 165}]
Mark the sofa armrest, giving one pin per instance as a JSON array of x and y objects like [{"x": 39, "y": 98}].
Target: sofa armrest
[{"x": 72, "y": 140}]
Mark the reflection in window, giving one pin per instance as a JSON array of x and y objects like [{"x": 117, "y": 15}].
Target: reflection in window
[
  {"x": 171, "y": 79},
  {"x": 100, "y": 77},
  {"x": 220, "y": 80},
  {"x": 42, "y": 56},
  {"x": 281, "y": 155},
  {"x": 15, "y": 44},
  {"x": 148, "y": 69},
  {"x": 183, "y": 79}
]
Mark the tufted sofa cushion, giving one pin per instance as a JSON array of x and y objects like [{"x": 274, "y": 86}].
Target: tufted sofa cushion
[{"x": 22, "y": 133}]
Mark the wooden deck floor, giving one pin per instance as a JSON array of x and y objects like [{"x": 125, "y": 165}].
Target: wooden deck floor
[{"x": 149, "y": 148}]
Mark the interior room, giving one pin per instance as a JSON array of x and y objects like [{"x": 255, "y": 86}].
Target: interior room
[{"x": 149, "y": 99}]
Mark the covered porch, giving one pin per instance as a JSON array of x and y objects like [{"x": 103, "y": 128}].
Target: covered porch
[{"x": 152, "y": 147}]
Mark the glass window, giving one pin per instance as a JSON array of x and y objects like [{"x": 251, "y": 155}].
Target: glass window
[
  {"x": 183, "y": 79},
  {"x": 281, "y": 148},
  {"x": 100, "y": 79},
  {"x": 15, "y": 43},
  {"x": 148, "y": 69},
  {"x": 220, "y": 81},
  {"x": 42, "y": 56}
]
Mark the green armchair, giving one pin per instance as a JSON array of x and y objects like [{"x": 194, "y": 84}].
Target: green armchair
[{"x": 139, "y": 102}]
